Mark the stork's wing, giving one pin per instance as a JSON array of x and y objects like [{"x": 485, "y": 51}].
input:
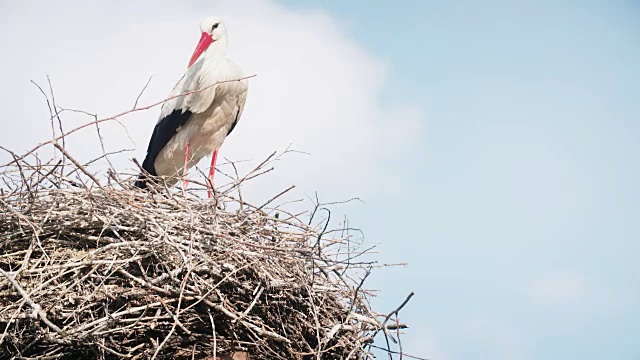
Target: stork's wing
[
  {"x": 165, "y": 129},
  {"x": 176, "y": 112},
  {"x": 242, "y": 98}
]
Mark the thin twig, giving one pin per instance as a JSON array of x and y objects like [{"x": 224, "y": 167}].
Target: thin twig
[
  {"x": 77, "y": 164},
  {"x": 142, "y": 92},
  {"x": 395, "y": 311}
]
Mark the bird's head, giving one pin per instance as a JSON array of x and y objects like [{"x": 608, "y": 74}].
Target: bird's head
[{"x": 213, "y": 29}]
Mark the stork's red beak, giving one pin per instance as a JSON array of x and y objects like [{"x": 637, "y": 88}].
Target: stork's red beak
[{"x": 203, "y": 44}]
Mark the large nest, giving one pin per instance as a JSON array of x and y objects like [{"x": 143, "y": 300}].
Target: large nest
[{"x": 96, "y": 269}]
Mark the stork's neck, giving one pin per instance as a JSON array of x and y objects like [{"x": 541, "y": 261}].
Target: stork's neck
[{"x": 216, "y": 51}]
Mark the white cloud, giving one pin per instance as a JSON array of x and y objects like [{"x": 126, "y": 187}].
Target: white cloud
[{"x": 316, "y": 88}]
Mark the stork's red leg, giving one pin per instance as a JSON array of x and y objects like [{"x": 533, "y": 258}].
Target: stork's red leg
[
  {"x": 185, "y": 169},
  {"x": 212, "y": 172}
]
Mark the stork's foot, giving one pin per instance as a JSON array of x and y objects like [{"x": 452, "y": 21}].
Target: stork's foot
[
  {"x": 185, "y": 170},
  {"x": 210, "y": 190},
  {"x": 212, "y": 172},
  {"x": 185, "y": 184}
]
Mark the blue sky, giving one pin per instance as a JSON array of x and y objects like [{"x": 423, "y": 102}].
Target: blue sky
[
  {"x": 495, "y": 143},
  {"x": 520, "y": 215}
]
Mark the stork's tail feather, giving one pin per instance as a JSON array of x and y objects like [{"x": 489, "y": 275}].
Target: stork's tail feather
[
  {"x": 141, "y": 182},
  {"x": 147, "y": 173}
]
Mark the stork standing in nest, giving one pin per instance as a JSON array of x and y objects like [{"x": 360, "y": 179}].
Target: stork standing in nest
[{"x": 196, "y": 124}]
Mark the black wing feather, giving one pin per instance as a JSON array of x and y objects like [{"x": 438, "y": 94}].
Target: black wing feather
[
  {"x": 235, "y": 122},
  {"x": 163, "y": 132}
]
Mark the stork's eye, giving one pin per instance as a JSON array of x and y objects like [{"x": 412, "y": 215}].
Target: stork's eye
[{"x": 215, "y": 26}]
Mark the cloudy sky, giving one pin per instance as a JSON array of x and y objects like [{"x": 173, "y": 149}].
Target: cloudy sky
[{"x": 494, "y": 144}]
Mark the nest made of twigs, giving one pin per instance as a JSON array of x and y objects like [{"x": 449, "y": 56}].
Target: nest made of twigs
[{"x": 89, "y": 270}]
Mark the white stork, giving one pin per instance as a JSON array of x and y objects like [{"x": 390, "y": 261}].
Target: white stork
[{"x": 196, "y": 124}]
